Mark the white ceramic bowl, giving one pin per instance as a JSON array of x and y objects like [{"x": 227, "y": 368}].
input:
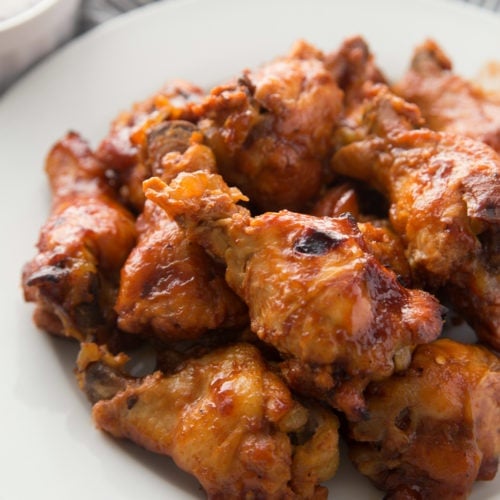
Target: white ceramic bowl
[{"x": 30, "y": 34}]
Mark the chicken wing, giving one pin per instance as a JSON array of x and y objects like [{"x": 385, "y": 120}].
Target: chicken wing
[
  {"x": 121, "y": 150},
  {"x": 444, "y": 192},
  {"x": 225, "y": 417},
  {"x": 271, "y": 130},
  {"x": 170, "y": 288},
  {"x": 313, "y": 289},
  {"x": 447, "y": 101},
  {"x": 433, "y": 430},
  {"x": 82, "y": 246}
]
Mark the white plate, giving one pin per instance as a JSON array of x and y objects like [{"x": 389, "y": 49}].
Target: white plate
[{"x": 49, "y": 447}]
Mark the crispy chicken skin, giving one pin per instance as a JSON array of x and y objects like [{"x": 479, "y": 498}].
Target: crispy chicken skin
[
  {"x": 444, "y": 192},
  {"x": 313, "y": 289},
  {"x": 74, "y": 277},
  {"x": 447, "y": 101},
  {"x": 434, "y": 429},
  {"x": 271, "y": 130},
  {"x": 170, "y": 288},
  {"x": 225, "y": 417},
  {"x": 121, "y": 151}
]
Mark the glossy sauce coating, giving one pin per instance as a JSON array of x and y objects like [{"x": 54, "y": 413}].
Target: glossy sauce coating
[
  {"x": 224, "y": 417},
  {"x": 434, "y": 429},
  {"x": 313, "y": 289},
  {"x": 82, "y": 246},
  {"x": 170, "y": 288},
  {"x": 445, "y": 202}
]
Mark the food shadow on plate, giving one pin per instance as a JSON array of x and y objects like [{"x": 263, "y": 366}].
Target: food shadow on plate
[
  {"x": 56, "y": 364},
  {"x": 161, "y": 466}
]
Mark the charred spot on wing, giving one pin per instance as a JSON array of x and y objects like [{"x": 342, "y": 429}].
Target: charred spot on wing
[
  {"x": 47, "y": 275},
  {"x": 314, "y": 242},
  {"x": 132, "y": 401}
]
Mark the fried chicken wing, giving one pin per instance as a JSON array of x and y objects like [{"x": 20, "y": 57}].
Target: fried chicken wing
[
  {"x": 121, "y": 151},
  {"x": 434, "y": 429},
  {"x": 447, "y": 101},
  {"x": 170, "y": 288},
  {"x": 74, "y": 277},
  {"x": 313, "y": 289},
  {"x": 225, "y": 417},
  {"x": 444, "y": 192},
  {"x": 271, "y": 130}
]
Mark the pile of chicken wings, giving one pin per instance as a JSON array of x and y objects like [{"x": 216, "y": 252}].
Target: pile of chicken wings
[{"x": 291, "y": 245}]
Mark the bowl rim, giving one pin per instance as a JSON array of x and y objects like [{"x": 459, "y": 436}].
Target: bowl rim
[{"x": 27, "y": 14}]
